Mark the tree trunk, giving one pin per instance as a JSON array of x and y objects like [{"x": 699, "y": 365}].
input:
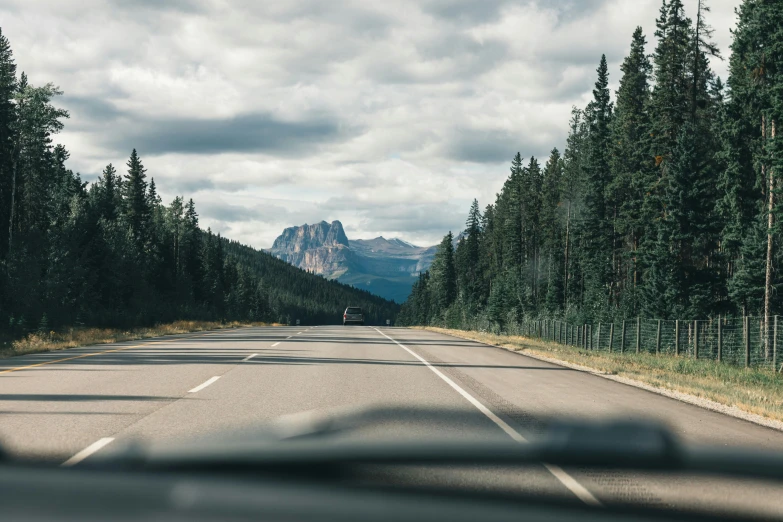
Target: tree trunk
[
  {"x": 14, "y": 168},
  {"x": 565, "y": 275},
  {"x": 770, "y": 223}
]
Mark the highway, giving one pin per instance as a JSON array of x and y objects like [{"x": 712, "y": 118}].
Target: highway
[{"x": 69, "y": 405}]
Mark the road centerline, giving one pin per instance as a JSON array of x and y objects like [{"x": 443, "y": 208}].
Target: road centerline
[
  {"x": 204, "y": 384},
  {"x": 86, "y": 452},
  {"x": 564, "y": 478}
]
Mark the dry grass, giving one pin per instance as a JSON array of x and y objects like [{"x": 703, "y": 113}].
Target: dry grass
[
  {"x": 752, "y": 390},
  {"x": 75, "y": 337}
]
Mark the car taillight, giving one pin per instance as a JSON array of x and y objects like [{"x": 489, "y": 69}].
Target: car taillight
[{"x": 345, "y": 315}]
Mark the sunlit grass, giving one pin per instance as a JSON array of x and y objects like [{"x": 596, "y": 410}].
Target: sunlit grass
[
  {"x": 753, "y": 390},
  {"x": 75, "y": 337}
]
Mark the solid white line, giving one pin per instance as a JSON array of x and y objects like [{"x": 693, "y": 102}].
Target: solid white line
[
  {"x": 278, "y": 342},
  {"x": 204, "y": 385},
  {"x": 567, "y": 480},
  {"x": 86, "y": 452},
  {"x": 249, "y": 357}
]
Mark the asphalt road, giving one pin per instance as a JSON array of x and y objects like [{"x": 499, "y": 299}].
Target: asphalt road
[{"x": 69, "y": 405}]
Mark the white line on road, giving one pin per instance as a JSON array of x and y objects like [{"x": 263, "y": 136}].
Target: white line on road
[
  {"x": 249, "y": 357},
  {"x": 278, "y": 342},
  {"x": 289, "y": 336},
  {"x": 567, "y": 480},
  {"x": 204, "y": 385},
  {"x": 298, "y": 333},
  {"x": 86, "y": 452}
]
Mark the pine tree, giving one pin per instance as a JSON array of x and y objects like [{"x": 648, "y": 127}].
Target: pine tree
[
  {"x": 530, "y": 272},
  {"x": 444, "y": 275},
  {"x": 670, "y": 102},
  {"x": 8, "y": 87},
  {"x": 552, "y": 233},
  {"x": 573, "y": 193},
  {"x": 136, "y": 201},
  {"x": 468, "y": 258},
  {"x": 598, "y": 219},
  {"x": 191, "y": 250},
  {"x": 632, "y": 171},
  {"x": 107, "y": 194}
]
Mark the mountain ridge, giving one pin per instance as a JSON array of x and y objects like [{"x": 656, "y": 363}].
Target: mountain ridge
[{"x": 386, "y": 267}]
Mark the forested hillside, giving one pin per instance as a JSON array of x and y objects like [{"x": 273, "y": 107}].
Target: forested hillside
[
  {"x": 111, "y": 253},
  {"x": 665, "y": 202}
]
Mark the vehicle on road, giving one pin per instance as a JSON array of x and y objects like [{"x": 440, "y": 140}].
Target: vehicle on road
[{"x": 353, "y": 315}]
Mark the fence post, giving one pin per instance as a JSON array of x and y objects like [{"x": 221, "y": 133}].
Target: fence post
[
  {"x": 676, "y": 337},
  {"x": 720, "y": 339},
  {"x": 589, "y": 336},
  {"x": 584, "y": 336},
  {"x": 746, "y": 327},
  {"x": 695, "y": 339},
  {"x": 560, "y": 333},
  {"x": 622, "y": 339},
  {"x": 598, "y": 341},
  {"x": 658, "y": 338},
  {"x": 638, "y": 334},
  {"x": 611, "y": 336}
]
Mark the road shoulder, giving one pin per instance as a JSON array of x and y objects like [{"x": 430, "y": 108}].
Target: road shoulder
[{"x": 702, "y": 402}]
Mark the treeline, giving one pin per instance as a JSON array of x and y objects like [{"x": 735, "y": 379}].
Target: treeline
[
  {"x": 664, "y": 204},
  {"x": 110, "y": 253}
]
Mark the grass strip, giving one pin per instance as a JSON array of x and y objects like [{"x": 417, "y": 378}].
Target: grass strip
[
  {"x": 753, "y": 390},
  {"x": 75, "y": 337}
]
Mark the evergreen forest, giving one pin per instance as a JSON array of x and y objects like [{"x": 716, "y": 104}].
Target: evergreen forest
[
  {"x": 665, "y": 201},
  {"x": 112, "y": 254}
]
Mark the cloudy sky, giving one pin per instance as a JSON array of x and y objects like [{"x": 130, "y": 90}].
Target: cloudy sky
[{"x": 389, "y": 116}]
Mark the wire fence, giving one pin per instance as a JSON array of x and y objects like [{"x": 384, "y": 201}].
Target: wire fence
[{"x": 748, "y": 341}]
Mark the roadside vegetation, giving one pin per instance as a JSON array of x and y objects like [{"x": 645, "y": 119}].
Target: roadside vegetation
[
  {"x": 758, "y": 391},
  {"x": 74, "y": 337}
]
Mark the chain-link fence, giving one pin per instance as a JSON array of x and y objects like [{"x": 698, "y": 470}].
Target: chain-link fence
[{"x": 741, "y": 341}]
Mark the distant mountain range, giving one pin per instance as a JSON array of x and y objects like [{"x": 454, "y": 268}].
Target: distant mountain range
[{"x": 385, "y": 267}]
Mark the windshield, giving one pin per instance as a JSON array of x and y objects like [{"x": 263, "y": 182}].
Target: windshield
[{"x": 477, "y": 220}]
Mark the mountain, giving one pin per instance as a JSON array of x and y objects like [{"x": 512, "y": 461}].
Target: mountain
[
  {"x": 385, "y": 267},
  {"x": 321, "y": 248}
]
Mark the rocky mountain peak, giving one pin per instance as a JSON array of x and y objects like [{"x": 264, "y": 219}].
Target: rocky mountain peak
[
  {"x": 387, "y": 267},
  {"x": 307, "y": 237}
]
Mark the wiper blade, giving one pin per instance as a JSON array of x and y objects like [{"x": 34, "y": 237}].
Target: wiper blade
[{"x": 620, "y": 445}]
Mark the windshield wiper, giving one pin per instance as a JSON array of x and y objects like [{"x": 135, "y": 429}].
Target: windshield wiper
[{"x": 308, "y": 448}]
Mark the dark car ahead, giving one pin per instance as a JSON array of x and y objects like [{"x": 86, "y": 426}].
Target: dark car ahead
[{"x": 353, "y": 315}]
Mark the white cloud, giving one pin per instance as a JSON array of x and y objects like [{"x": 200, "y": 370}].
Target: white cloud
[{"x": 390, "y": 116}]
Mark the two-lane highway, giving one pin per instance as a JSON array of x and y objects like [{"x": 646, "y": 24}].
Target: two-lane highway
[{"x": 68, "y": 405}]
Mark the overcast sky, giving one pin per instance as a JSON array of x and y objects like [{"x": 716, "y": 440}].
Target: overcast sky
[{"x": 390, "y": 116}]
